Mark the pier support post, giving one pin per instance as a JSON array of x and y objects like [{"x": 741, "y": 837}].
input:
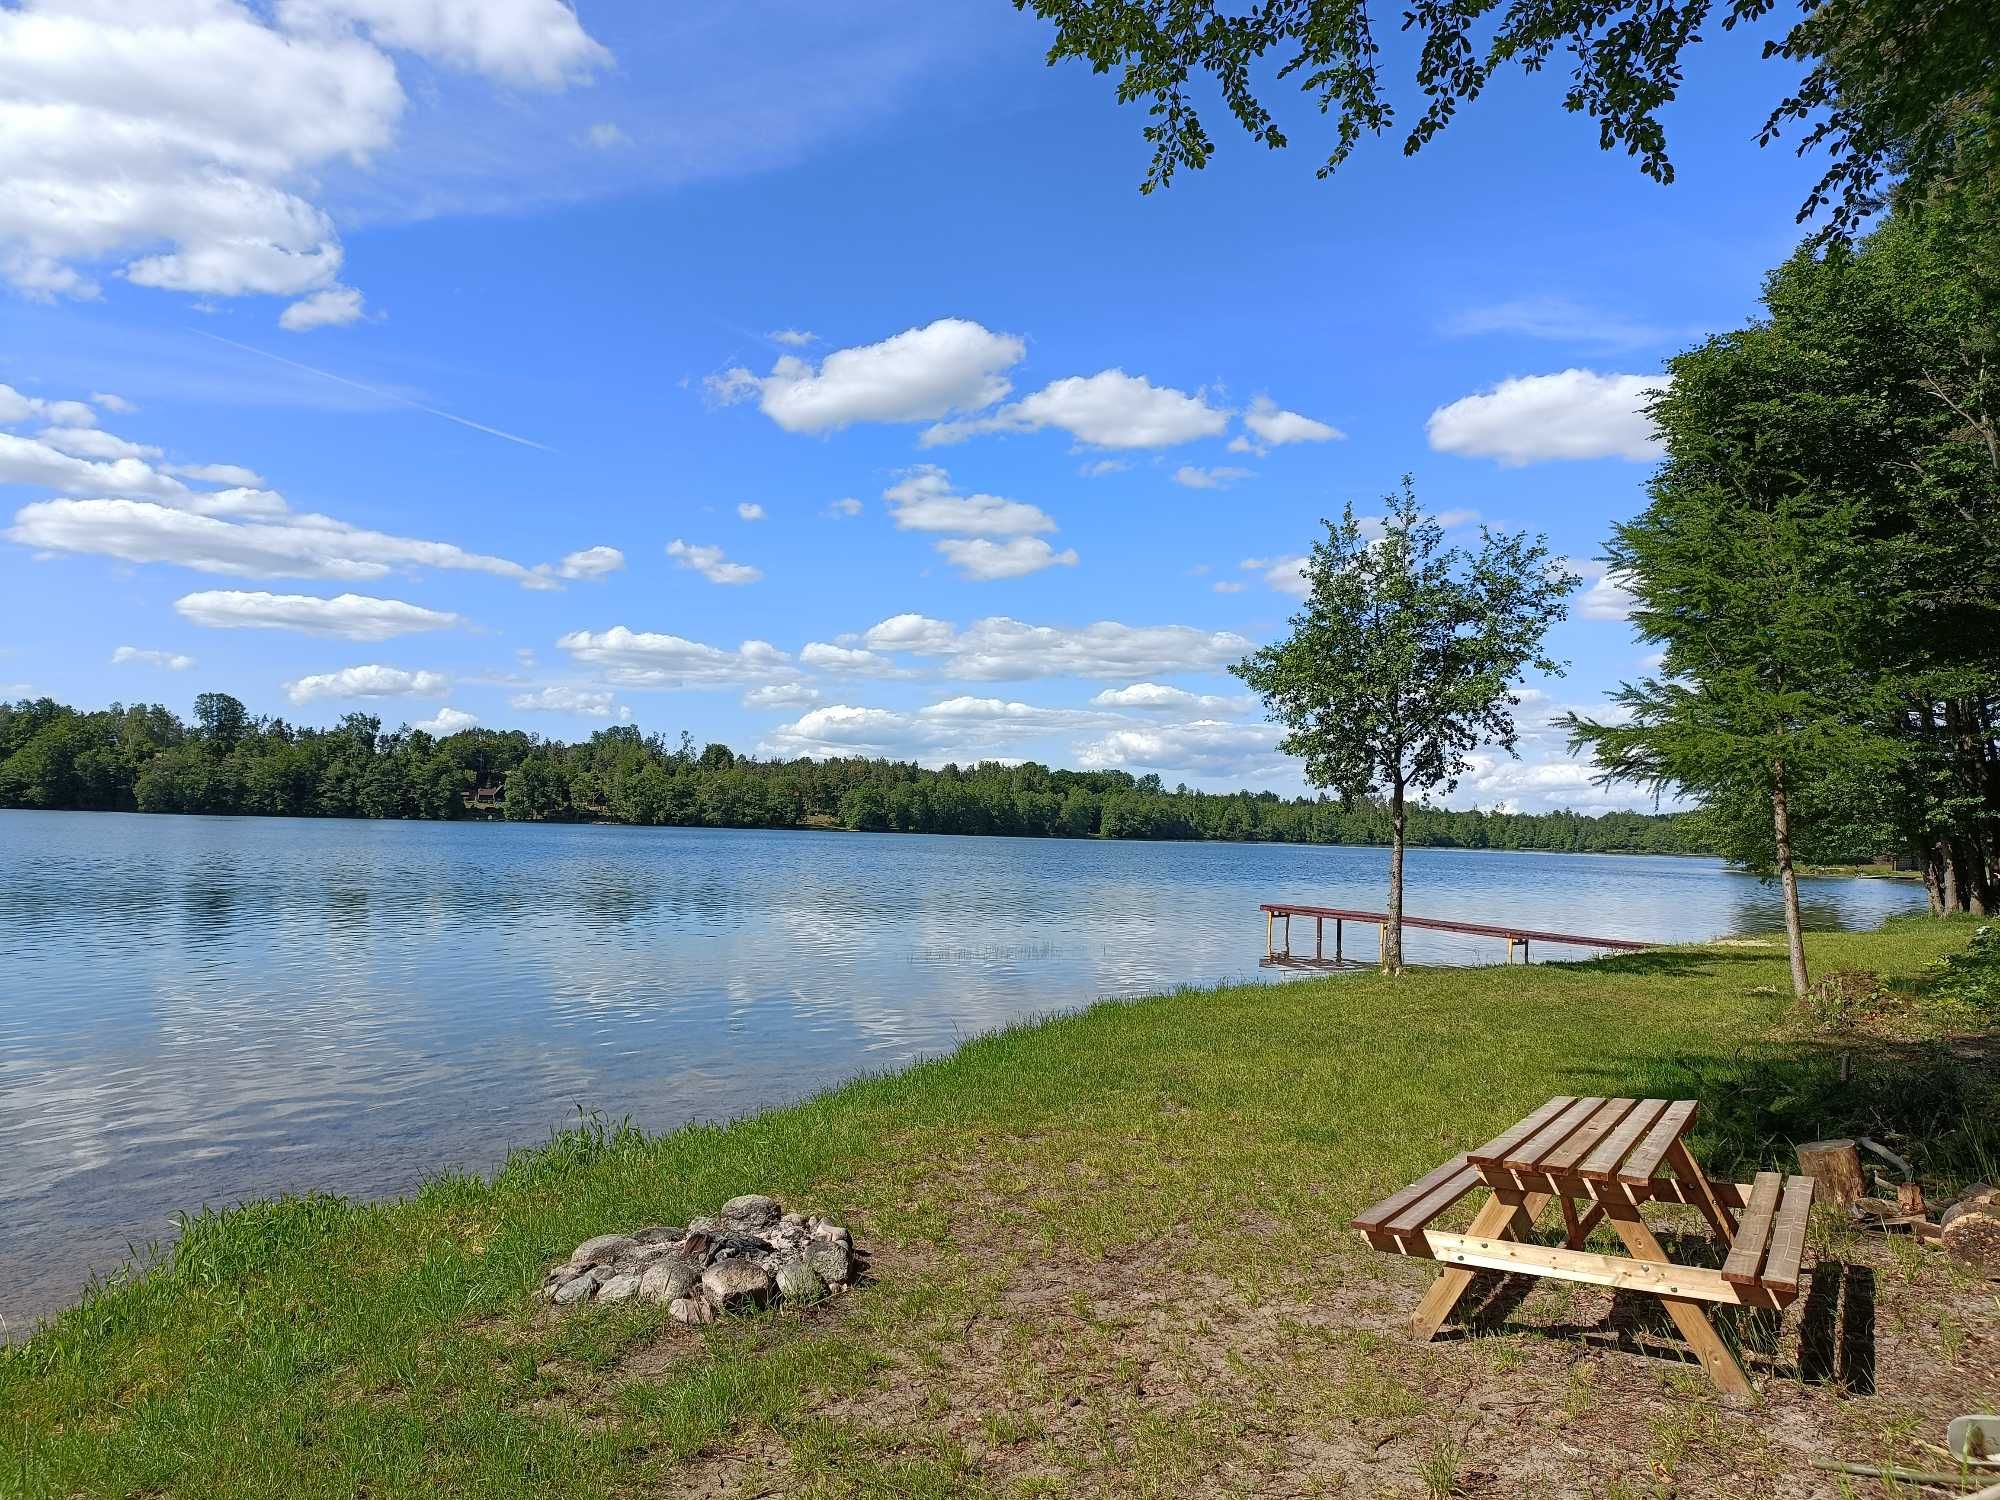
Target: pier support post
[
  {"x": 1319, "y": 937},
  {"x": 1336, "y": 939},
  {"x": 1270, "y": 921}
]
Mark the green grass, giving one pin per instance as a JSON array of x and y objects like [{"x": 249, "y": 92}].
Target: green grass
[{"x": 317, "y": 1347}]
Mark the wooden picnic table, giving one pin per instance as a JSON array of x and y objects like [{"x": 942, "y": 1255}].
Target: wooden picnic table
[{"x": 1603, "y": 1159}]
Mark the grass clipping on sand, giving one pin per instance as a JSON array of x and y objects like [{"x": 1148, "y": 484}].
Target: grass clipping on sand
[{"x": 1111, "y": 1256}]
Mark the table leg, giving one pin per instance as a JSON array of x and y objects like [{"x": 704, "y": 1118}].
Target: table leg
[
  {"x": 1689, "y": 1316},
  {"x": 1508, "y": 1215},
  {"x": 1696, "y": 1182}
]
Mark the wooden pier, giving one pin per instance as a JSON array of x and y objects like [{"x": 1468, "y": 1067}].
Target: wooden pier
[{"x": 1517, "y": 937}]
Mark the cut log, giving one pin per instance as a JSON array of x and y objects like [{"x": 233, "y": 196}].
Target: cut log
[
  {"x": 1836, "y": 1167},
  {"x": 1974, "y": 1238},
  {"x": 1977, "y": 1199}
]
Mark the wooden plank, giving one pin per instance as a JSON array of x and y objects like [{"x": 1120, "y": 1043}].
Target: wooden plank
[
  {"x": 1474, "y": 929},
  {"x": 1378, "y": 1216},
  {"x": 1496, "y": 1149},
  {"x": 1688, "y": 1313},
  {"x": 1507, "y": 1214},
  {"x": 1526, "y": 1156},
  {"x": 1565, "y": 1157},
  {"x": 1674, "y": 1122},
  {"x": 1788, "y": 1237},
  {"x": 1748, "y": 1251},
  {"x": 1615, "y": 1271},
  {"x": 1602, "y": 1163},
  {"x": 1689, "y": 1173},
  {"x": 1435, "y": 1202}
]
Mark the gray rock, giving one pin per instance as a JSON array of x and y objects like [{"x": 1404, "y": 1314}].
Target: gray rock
[
  {"x": 691, "y": 1310},
  {"x": 605, "y": 1248},
  {"x": 659, "y": 1234},
  {"x": 702, "y": 1226},
  {"x": 618, "y": 1288},
  {"x": 577, "y": 1289},
  {"x": 832, "y": 1260},
  {"x": 730, "y": 1246},
  {"x": 798, "y": 1281},
  {"x": 751, "y": 1211},
  {"x": 736, "y": 1285},
  {"x": 826, "y": 1229},
  {"x": 668, "y": 1278}
]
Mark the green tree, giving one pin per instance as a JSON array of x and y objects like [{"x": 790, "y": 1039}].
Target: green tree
[
  {"x": 1888, "y": 86},
  {"x": 534, "y": 791},
  {"x": 223, "y": 719},
  {"x": 1404, "y": 659}
]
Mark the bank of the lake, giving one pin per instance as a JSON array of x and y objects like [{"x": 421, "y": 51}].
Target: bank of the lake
[
  {"x": 1108, "y": 1256},
  {"x": 203, "y": 1010}
]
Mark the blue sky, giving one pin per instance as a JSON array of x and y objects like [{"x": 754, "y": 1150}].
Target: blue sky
[{"x": 817, "y": 384}]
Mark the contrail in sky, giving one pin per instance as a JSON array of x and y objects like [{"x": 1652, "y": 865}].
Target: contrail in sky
[{"x": 374, "y": 391}]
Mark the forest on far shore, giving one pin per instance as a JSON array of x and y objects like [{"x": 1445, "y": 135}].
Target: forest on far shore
[{"x": 145, "y": 758}]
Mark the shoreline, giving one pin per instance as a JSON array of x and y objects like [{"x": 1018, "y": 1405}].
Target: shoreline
[{"x": 1127, "y": 1145}]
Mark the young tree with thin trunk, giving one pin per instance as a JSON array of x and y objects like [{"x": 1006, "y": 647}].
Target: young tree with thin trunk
[{"x": 1403, "y": 661}]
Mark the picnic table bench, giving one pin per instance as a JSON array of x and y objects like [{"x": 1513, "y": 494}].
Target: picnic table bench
[{"x": 1602, "y": 1159}]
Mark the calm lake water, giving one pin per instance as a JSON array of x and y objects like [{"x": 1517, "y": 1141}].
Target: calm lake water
[{"x": 202, "y": 1010}]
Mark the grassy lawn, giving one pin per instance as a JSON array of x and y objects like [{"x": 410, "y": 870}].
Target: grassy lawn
[{"x": 1109, "y": 1255}]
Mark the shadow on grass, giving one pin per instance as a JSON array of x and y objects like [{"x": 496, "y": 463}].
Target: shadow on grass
[{"x": 1678, "y": 963}]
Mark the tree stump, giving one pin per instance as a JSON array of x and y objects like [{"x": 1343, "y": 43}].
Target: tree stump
[
  {"x": 1836, "y": 1167},
  {"x": 1975, "y": 1239}
]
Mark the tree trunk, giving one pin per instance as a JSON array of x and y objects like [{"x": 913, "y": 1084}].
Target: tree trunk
[
  {"x": 1788, "y": 880},
  {"x": 1392, "y": 930},
  {"x": 1836, "y": 1167}
]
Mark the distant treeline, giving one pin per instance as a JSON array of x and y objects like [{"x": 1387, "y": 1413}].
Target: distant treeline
[{"x": 144, "y": 758}]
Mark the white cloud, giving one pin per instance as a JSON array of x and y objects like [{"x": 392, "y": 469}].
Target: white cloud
[
  {"x": 262, "y": 545},
  {"x": 94, "y": 442},
  {"x": 185, "y": 132},
  {"x": 793, "y": 338},
  {"x": 1107, "y": 410},
  {"x": 367, "y": 682},
  {"x": 983, "y": 561},
  {"x": 1285, "y": 574},
  {"x": 33, "y": 461},
  {"x": 17, "y": 407},
  {"x": 852, "y": 661},
  {"x": 1449, "y": 519},
  {"x": 234, "y": 475},
  {"x": 963, "y": 728},
  {"x": 999, "y": 649},
  {"x": 354, "y": 617},
  {"x": 111, "y": 402},
  {"x": 844, "y": 508},
  {"x": 918, "y": 375},
  {"x": 1210, "y": 746},
  {"x": 1228, "y": 586},
  {"x": 1220, "y": 478},
  {"x": 606, "y": 136},
  {"x": 446, "y": 721},
  {"x": 781, "y": 695},
  {"x": 1607, "y": 597},
  {"x": 1275, "y": 426},
  {"x": 331, "y": 307},
  {"x": 924, "y": 500},
  {"x": 1158, "y": 697},
  {"x": 1559, "y": 320},
  {"x": 131, "y": 656},
  {"x": 646, "y": 659},
  {"x": 1105, "y": 466},
  {"x": 559, "y": 699},
  {"x": 750, "y": 511},
  {"x": 1575, "y": 414},
  {"x": 711, "y": 564},
  {"x": 591, "y": 562}
]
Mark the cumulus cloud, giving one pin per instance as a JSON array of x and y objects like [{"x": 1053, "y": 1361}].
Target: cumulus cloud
[
  {"x": 446, "y": 721},
  {"x": 43, "y": 465},
  {"x": 1574, "y": 414},
  {"x": 793, "y": 338},
  {"x": 1202, "y": 746},
  {"x": 331, "y": 307},
  {"x": 591, "y": 562},
  {"x": 1103, "y": 466},
  {"x": 982, "y": 561},
  {"x": 595, "y": 703},
  {"x": 781, "y": 695},
  {"x": 367, "y": 682},
  {"x": 964, "y": 728},
  {"x": 94, "y": 442},
  {"x": 1273, "y": 426},
  {"x": 647, "y": 659},
  {"x": 923, "y": 499},
  {"x": 999, "y": 649},
  {"x": 253, "y": 543},
  {"x": 137, "y": 656},
  {"x": 17, "y": 407},
  {"x": 1286, "y": 574},
  {"x": 750, "y": 511},
  {"x": 1220, "y": 478},
  {"x": 1107, "y": 410},
  {"x": 917, "y": 375},
  {"x": 354, "y": 617},
  {"x": 1158, "y": 697},
  {"x": 711, "y": 564},
  {"x": 176, "y": 142},
  {"x": 1607, "y": 596},
  {"x": 234, "y": 475},
  {"x": 112, "y": 402},
  {"x": 844, "y": 508}
]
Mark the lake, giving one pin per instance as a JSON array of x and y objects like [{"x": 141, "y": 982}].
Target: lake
[{"x": 202, "y": 1010}]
